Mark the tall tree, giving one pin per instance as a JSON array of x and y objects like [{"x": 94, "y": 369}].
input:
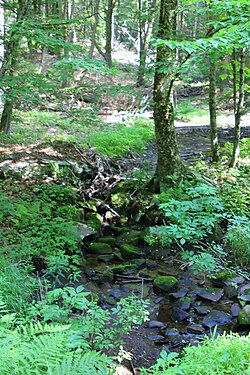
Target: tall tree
[{"x": 168, "y": 161}]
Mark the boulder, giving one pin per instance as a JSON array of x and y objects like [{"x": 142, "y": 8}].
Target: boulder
[
  {"x": 100, "y": 248},
  {"x": 164, "y": 283}
]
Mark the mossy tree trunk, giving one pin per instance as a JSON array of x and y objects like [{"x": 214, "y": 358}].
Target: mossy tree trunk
[
  {"x": 238, "y": 103},
  {"x": 168, "y": 161},
  {"x": 212, "y": 111}
]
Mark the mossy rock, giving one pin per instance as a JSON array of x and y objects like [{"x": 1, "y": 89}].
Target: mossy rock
[
  {"x": 94, "y": 221},
  {"x": 109, "y": 240},
  {"x": 244, "y": 316},
  {"x": 133, "y": 238},
  {"x": 107, "y": 276},
  {"x": 100, "y": 248},
  {"x": 164, "y": 283},
  {"x": 123, "y": 269},
  {"x": 131, "y": 251}
]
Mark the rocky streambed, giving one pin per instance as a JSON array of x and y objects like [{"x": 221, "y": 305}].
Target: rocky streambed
[{"x": 183, "y": 307}]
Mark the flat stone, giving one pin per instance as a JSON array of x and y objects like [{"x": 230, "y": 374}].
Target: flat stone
[
  {"x": 158, "y": 299},
  {"x": 216, "y": 317},
  {"x": 179, "y": 315},
  {"x": 180, "y": 293},
  {"x": 156, "y": 324},
  {"x": 211, "y": 294},
  {"x": 202, "y": 310},
  {"x": 183, "y": 303},
  {"x": 195, "y": 328}
]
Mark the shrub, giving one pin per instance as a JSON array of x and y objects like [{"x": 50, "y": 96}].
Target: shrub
[{"x": 191, "y": 212}]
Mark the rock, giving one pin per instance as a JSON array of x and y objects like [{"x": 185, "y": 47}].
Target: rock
[
  {"x": 132, "y": 238},
  {"x": 183, "y": 303},
  {"x": 202, "y": 310},
  {"x": 151, "y": 265},
  {"x": 158, "y": 299},
  {"x": 106, "y": 258},
  {"x": 116, "y": 293},
  {"x": 100, "y": 248},
  {"x": 230, "y": 291},
  {"x": 83, "y": 230},
  {"x": 180, "y": 293},
  {"x": 156, "y": 324},
  {"x": 107, "y": 276},
  {"x": 235, "y": 309},
  {"x": 179, "y": 315},
  {"x": 216, "y": 317},
  {"x": 125, "y": 269},
  {"x": 195, "y": 328},
  {"x": 131, "y": 251},
  {"x": 94, "y": 220},
  {"x": 244, "y": 316},
  {"x": 109, "y": 240},
  {"x": 164, "y": 283},
  {"x": 211, "y": 294}
]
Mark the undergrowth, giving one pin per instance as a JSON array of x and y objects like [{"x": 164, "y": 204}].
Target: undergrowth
[{"x": 226, "y": 354}]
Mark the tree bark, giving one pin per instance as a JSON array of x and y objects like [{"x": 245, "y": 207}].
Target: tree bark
[
  {"x": 238, "y": 106},
  {"x": 94, "y": 28},
  {"x": 212, "y": 112},
  {"x": 109, "y": 32},
  {"x": 168, "y": 161}
]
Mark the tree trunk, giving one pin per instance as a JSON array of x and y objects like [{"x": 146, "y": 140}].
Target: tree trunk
[
  {"x": 168, "y": 162},
  {"x": 212, "y": 112},
  {"x": 6, "y": 116},
  {"x": 109, "y": 32},
  {"x": 94, "y": 28},
  {"x": 238, "y": 105},
  {"x": 1, "y": 42}
]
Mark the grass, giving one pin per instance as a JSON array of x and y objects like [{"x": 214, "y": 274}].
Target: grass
[
  {"x": 226, "y": 354},
  {"x": 198, "y": 113},
  {"x": 83, "y": 127}
]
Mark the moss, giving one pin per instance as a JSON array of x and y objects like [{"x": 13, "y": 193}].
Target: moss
[
  {"x": 244, "y": 316},
  {"x": 165, "y": 283},
  {"x": 100, "y": 248},
  {"x": 131, "y": 251},
  {"x": 107, "y": 276},
  {"x": 109, "y": 240},
  {"x": 132, "y": 238},
  {"x": 123, "y": 268}
]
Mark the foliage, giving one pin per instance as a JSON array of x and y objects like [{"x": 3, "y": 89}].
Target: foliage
[
  {"x": 226, "y": 354},
  {"x": 238, "y": 239},
  {"x": 192, "y": 210},
  {"x": 42, "y": 349},
  {"x": 18, "y": 285},
  {"x": 244, "y": 148},
  {"x": 94, "y": 328},
  {"x": 123, "y": 138}
]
